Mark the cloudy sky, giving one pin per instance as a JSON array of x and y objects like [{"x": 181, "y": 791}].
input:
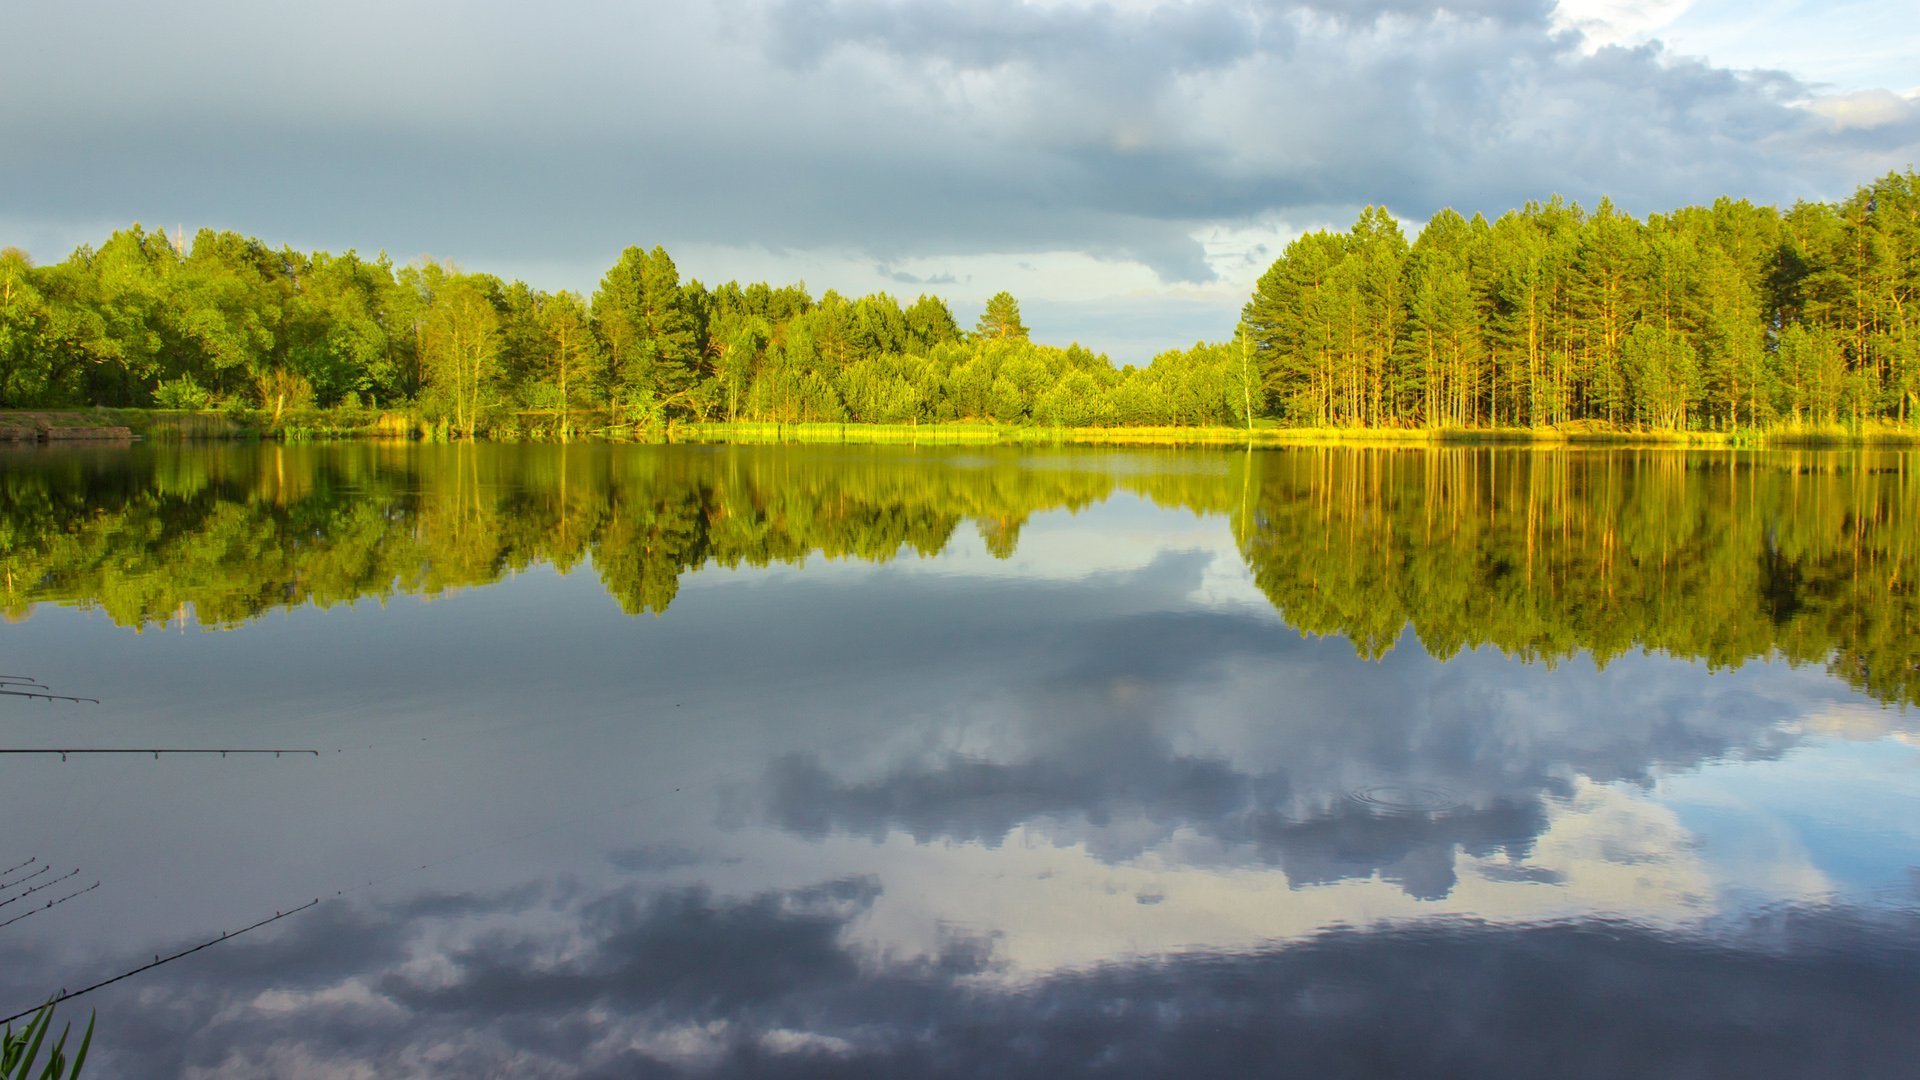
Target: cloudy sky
[{"x": 1126, "y": 168}]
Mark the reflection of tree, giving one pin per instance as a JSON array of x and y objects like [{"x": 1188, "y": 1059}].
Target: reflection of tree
[
  {"x": 1001, "y": 535},
  {"x": 1547, "y": 554},
  {"x": 1542, "y": 554},
  {"x": 235, "y": 531}
]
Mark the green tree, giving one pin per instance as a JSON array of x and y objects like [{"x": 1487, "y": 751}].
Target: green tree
[
  {"x": 226, "y": 299},
  {"x": 647, "y": 323},
  {"x": 739, "y": 358},
  {"x": 1520, "y": 291},
  {"x": 1444, "y": 328},
  {"x": 1378, "y": 253},
  {"x": 1608, "y": 287},
  {"x": 1001, "y": 319},
  {"x": 340, "y": 330},
  {"x": 1293, "y": 322},
  {"x": 929, "y": 323},
  {"x": 1662, "y": 374},
  {"x": 461, "y": 347},
  {"x": 570, "y": 354},
  {"x": 26, "y": 363}
]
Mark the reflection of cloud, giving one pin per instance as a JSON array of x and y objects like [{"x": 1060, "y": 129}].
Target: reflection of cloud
[
  {"x": 1620, "y": 855},
  {"x": 1144, "y": 727},
  {"x": 684, "y": 981},
  {"x": 1415, "y": 850},
  {"x": 970, "y": 800},
  {"x": 1860, "y": 722},
  {"x": 656, "y": 857}
]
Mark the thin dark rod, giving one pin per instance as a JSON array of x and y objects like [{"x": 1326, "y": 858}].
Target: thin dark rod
[
  {"x": 45, "y": 697},
  {"x": 155, "y": 751},
  {"x": 48, "y": 904},
  {"x": 26, "y": 877},
  {"x": 37, "y": 888},
  {"x": 157, "y": 961},
  {"x": 31, "y": 859}
]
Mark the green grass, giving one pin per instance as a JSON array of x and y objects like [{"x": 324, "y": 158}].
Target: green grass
[
  {"x": 360, "y": 422},
  {"x": 951, "y": 434},
  {"x": 1270, "y": 435}
]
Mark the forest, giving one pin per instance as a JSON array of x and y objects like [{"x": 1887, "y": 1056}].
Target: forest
[
  {"x": 1544, "y": 555},
  {"x": 1717, "y": 318}
]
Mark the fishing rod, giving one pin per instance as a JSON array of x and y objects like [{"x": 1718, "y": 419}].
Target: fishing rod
[
  {"x": 37, "y": 888},
  {"x": 10, "y": 684},
  {"x": 45, "y": 697},
  {"x": 25, "y": 686},
  {"x": 26, "y": 877},
  {"x": 157, "y": 962},
  {"x": 48, "y": 904},
  {"x": 155, "y": 751}
]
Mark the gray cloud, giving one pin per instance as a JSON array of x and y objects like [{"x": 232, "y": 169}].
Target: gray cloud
[
  {"x": 984, "y": 36},
  {"x": 893, "y": 129},
  {"x": 686, "y": 982},
  {"x": 905, "y": 278}
]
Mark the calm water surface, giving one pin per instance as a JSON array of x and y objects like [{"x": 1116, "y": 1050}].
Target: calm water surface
[{"x": 839, "y": 761}]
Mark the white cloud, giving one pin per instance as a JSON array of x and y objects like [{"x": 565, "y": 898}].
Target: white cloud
[
  {"x": 1868, "y": 109},
  {"x": 1617, "y": 22}
]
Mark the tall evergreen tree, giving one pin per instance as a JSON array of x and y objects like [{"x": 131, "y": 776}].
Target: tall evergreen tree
[{"x": 1001, "y": 319}]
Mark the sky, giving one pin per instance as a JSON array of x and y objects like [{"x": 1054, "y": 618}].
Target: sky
[{"x": 1127, "y": 169}]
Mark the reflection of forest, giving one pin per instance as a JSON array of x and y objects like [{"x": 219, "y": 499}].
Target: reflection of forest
[
  {"x": 235, "y": 531},
  {"x": 1542, "y": 554}
]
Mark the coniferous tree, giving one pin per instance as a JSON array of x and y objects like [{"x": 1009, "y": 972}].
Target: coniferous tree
[{"x": 1001, "y": 319}]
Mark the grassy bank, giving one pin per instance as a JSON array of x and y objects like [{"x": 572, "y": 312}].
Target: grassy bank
[
  {"x": 306, "y": 425},
  {"x": 1275, "y": 435}
]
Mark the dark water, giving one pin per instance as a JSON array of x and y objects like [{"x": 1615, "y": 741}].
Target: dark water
[{"x": 639, "y": 761}]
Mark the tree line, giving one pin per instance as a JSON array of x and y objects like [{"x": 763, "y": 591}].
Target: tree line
[
  {"x": 146, "y": 320},
  {"x": 1732, "y": 315},
  {"x": 1717, "y": 317}
]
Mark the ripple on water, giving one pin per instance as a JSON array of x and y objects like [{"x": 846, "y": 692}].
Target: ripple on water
[{"x": 1404, "y": 799}]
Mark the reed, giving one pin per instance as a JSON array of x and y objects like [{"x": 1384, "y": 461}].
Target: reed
[{"x": 20, "y": 1050}]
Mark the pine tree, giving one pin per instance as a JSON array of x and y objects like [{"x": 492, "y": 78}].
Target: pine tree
[{"x": 1001, "y": 319}]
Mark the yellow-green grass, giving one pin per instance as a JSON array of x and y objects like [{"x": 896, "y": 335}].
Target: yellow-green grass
[{"x": 357, "y": 422}]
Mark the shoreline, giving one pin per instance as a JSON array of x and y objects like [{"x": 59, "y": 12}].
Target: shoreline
[{"x": 121, "y": 425}]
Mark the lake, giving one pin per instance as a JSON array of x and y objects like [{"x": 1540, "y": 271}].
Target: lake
[{"x": 892, "y": 761}]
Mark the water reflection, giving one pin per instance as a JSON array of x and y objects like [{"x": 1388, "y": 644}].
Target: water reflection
[
  {"x": 1237, "y": 744},
  {"x": 1715, "y": 556},
  {"x": 236, "y": 531},
  {"x": 685, "y": 980},
  {"x": 1543, "y": 554},
  {"x": 1482, "y": 763}
]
